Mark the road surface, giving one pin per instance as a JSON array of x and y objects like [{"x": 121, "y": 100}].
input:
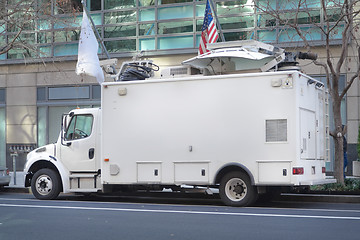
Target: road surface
[{"x": 74, "y": 217}]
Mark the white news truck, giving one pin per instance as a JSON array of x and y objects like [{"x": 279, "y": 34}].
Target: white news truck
[{"x": 240, "y": 133}]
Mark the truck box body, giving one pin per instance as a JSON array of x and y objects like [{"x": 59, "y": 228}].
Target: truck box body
[
  {"x": 237, "y": 132},
  {"x": 186, "y": 130}
]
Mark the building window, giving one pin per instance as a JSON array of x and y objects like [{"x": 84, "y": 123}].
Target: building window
[
  {"x": 309, "y": 17},
  {"x": 126, "y": 45},
  {"x": 175, "y": 42},
  {"x": 59, "y": 93},
  {"x": 175, "y": 27},
  {"x": 67, "y": 6},
  {"x": 128, "y": 16},
  {"x": 120, "y": 31},
  {"x": 2, "y": 96},
  {"x": 119, "y": 4},
  {"x": 146, "y": 3},
  {"x": 147, "y": 14},
  {"x": 52, "y": 102},
  {"x": 175, "y": 12}
]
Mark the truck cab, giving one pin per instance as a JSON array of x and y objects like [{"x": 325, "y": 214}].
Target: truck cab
[{"x": 74, "y": 157}]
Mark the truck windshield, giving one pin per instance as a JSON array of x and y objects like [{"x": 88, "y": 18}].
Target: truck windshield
[{"x": 80, "y": 127}]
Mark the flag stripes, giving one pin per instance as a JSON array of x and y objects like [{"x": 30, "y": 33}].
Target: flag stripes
[{"x": 209, "y": 32}]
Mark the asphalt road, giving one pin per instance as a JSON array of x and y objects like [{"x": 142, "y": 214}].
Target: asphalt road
[{"x": 74, "y": 217}]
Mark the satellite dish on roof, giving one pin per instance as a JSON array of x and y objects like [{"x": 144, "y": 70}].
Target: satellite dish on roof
[{"x": 225, "y": 57}]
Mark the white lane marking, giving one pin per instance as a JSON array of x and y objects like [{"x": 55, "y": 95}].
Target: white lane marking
[
  {"x": 182, "y": 212},
  {"x": 154, "y": 204},
  {"x": 311, "y": 209}
]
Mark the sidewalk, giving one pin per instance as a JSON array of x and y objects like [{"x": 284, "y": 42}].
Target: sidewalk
[
  {"x": 314, "y": 197},
  {"x": 19, "y": 185}
]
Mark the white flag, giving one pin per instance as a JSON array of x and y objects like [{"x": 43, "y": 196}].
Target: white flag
[{"x": 88, "y": 60}]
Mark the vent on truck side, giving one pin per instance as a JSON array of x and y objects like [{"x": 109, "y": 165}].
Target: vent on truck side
[
  {"x": 276, "y": 130},
  {"x": 179, "y": 71}
]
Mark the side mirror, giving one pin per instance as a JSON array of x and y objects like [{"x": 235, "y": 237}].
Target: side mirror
[{"x": 64, "y": 127}]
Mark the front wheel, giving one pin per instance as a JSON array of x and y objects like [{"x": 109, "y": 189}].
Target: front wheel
[
  {"x": 45, "y": 184},
  {"x": 236, "y": 190}
]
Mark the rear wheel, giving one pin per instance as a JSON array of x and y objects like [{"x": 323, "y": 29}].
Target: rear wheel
[
  {"x": 45, "y": 184},
  {"x": 236, "y": 190}
]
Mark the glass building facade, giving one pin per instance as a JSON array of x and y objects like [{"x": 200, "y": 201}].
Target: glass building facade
[{"x": 161, "y": 26}]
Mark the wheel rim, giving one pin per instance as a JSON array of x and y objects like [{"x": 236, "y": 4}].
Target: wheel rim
[
  {"x": 236, "y": 189},
  {"x": 44, "y": 184}
]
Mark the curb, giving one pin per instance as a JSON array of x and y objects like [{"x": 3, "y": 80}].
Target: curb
[
  {"x": 16, "y": 190},
  {"x": 320, "y": 198}
]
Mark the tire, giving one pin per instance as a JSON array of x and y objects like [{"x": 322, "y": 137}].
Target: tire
[
  {"x": 46, "y": 184},
  {"x": 236, "y": 190}
]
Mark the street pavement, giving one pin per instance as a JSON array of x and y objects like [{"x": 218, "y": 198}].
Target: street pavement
[
  {"x": 175, "y": 216},
  {"x": 76, "y": 217}
]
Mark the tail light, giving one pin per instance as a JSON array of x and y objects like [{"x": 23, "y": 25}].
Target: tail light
[
  {"x": 323, "y": 169},
  {"x": 7, "y": 172},
  {"x": 298, "y": 171}
]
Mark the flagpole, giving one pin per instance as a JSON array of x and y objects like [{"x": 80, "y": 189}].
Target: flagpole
[
  {"x": 217, "y": 20},
  {"x": 95, "y": 30}
]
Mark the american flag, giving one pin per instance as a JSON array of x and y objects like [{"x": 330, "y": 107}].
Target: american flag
[{"x": 209, "y": 32}]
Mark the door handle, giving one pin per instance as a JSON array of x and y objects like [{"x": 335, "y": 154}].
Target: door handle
[{"x": 91, "y": 153}]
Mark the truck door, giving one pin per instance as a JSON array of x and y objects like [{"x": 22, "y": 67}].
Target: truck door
[
  {"x": 307, "y": 134},
  {"x": 78, "y": 150}
]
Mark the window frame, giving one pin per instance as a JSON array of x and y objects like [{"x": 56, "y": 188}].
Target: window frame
[{"x": 75, "y": 127}]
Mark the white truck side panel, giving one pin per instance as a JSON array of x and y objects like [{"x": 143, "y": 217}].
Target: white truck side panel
[
  {"x": 312, "y": 131},
  {"x": 184, "y": 130}
]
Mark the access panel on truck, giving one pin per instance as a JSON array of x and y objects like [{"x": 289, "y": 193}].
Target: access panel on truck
[{"x": 308, "y": 134}]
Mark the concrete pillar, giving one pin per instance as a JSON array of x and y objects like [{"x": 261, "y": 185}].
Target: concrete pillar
[{"x": 21, "y": 111}]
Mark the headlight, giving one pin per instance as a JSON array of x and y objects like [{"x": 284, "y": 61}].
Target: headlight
[{"x": 42, "y": 149}]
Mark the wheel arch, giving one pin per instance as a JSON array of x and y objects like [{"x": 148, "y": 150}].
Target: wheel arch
[
  {"x": 233, "y": 167},
  {"x": 41, "y": 164}
]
